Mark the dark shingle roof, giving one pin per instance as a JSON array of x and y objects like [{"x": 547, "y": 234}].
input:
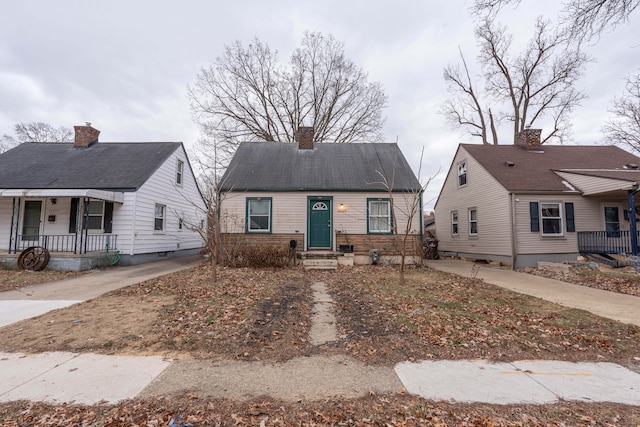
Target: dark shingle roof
[
  {"x": 278, "y": 166},
  {"x": 104, "y": 166},
  {"x": 534, "y": 170}
]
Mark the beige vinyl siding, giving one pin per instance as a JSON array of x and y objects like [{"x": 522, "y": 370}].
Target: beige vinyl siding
[
  {"x": 135, "y": 217},
  {"x": 483, "y": 193},
  {"x": 289, "y": 211},
  {"x": 590, "y": 185}
]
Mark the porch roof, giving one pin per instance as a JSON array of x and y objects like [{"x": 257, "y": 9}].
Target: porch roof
[{"x": 110, "y": 196}]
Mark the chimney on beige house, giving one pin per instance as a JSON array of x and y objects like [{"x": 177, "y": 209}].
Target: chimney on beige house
[
  {"x": 304, "y": 137},
  {"x": 85, "y": 135},
  {"x": 529, "y": 138}
]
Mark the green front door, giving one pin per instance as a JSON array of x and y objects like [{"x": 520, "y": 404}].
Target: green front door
[
  {"x": 31, "y": 221},
  {"x": 319, "y": 223}
]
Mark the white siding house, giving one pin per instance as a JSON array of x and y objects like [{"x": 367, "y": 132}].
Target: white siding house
[
  {"x": 326, "y": 197},
  {"x": 78, "y": 199},
  {"x": 524, "y": 203}
]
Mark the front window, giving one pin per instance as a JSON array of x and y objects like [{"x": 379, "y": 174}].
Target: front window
[
  {"x": 462, "y": 174},
  {"x": 380, "y": 216},
  {"x": 473, "y": 222},
  {"x": 159, "y": 218},
  {"x": 96, "y": 215},
  {"x": 259, "y": 215},
  {"x": 179, "y": 172},
  {"x": 454, "y": 223},
  {"x": 551, "y": 219},
  {"x": 612, "y": 221}
]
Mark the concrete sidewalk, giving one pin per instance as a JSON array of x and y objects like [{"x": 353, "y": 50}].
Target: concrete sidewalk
[
  {"x": 612, "y": 305},
  {"x": 31, "y": 301},
  {"x": 92, "y": 378}
]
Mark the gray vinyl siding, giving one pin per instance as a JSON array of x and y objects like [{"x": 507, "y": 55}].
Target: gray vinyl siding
[
  {"x": 483, "y": 193},
  {"x": 5, "y": 222}
]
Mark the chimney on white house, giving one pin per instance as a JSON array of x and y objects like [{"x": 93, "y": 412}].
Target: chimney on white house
[{"x": 85, "y": 135}]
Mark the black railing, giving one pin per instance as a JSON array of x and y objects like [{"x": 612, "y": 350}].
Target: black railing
[
  {"x": 605, "y": 242},
  {"x": 78, "y": 244}
]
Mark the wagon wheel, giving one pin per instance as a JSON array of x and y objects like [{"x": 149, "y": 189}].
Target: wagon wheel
[{"x": 33, "y": 258}]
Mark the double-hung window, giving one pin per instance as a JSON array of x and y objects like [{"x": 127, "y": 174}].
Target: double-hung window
[
  {"x": 379, "y": 216},
  {"x": 454, "y": 223},
  {"x": 612, "y": 221},
  {"x": 462, "y": 174},
  {"x": 179, "y": 172},
  {"x": 551, "y": 214},
  {"x": 259, "y": 215},
  {"x": 95, "y": 215},
  {"x": 473, "y": 222},
  {"x": 159, "y": 217}
]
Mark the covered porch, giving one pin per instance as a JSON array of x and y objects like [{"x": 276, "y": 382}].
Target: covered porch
[{"x": 62, "y": 221}]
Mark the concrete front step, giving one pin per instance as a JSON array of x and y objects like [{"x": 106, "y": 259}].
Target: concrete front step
[{"x": 320, "y": 264}]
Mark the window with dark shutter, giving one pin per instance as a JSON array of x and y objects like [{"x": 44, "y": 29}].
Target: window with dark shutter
[
  {"x": 568, "y": 211},
  {"x": 108, "y": 216},
  {"x": 535, "y": 216},
  {"x": 73, "y": 215}
]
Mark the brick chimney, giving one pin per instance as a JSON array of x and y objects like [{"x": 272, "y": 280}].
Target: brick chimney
[
  {"x": 529, "y": 138},
  {"x": 305, "y": 138},
  {"x": 85, "y": 135}
]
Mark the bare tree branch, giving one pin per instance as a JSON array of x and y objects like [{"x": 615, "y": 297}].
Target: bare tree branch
[
  {"x": 624, "y": 128},
  {"x": 532, "y": 86},
  {"x": 249, "y": 95},
  {"x": 42, "y": 132}
]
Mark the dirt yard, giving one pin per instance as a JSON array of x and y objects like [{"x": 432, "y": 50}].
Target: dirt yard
[{"x": 265, "y": 315}]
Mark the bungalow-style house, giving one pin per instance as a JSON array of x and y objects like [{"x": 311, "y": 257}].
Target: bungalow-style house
[
  {"x": 78, "y": 199},
  {"x": 527, "y": 202},
  {"x": 326, "y": 197}
]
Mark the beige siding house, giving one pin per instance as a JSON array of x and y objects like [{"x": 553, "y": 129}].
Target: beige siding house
[
  {"x": 524, "y": 203},
  {"x": 326, "y": 197},
  {"x": 75, "y": 199}
]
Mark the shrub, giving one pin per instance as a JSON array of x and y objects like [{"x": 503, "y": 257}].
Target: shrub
[{"x": 260, "y": 257}]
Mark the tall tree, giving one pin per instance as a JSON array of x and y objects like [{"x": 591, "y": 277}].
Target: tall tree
[
  {"x": 624, "y": 128},
  {"x": 248, "y": 94},
  {"x": 584, "y": 19},
  {"x": 525, "y": 88},
  {"x": 42, "y": 132}
]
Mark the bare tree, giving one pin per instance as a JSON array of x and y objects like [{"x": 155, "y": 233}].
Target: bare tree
[
  {"x": 249, "y": 95},
  {"x": 7, "y": 142},
  {"x": 42, "y": 132},
  {"x": 408, "y": 203},
  {"x": 624, "y": 128},
  {"x": 584, "y": 19},
  {"x": 536, "y": 84}
]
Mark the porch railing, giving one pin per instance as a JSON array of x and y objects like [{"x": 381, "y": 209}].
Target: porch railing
[
  {"x": 78, "y": 244},
  {"x": 605, "y": 242}
]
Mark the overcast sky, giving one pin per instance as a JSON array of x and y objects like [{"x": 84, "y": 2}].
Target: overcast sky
[{"x": 124, "y": 65}]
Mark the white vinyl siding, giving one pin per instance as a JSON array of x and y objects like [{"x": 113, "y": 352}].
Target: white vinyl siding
[{"x": 491, "y": 201}]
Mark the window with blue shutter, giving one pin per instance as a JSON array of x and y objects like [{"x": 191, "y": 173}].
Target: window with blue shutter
[
  {"x": 535, "y": 216},
  {"x": 568, "y": 210}
]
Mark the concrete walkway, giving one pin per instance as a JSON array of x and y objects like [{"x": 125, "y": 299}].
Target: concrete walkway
[
  {"x": 32, "y": 301},
  {"x": 612, "y": 305}
]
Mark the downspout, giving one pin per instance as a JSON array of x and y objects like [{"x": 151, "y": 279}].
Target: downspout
[
  {"x": 133, "y": 224},
  {"x": 632, "y": 224},
  {"x": 514, "y": 239}
]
